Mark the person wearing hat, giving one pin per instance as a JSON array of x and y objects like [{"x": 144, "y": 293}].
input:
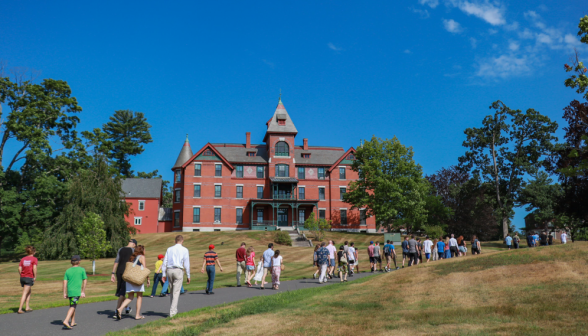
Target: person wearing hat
[
  {"x": 209, "y": 258},
  {"x": 120, "y": 263},
  {"x": 158, "y": 274},
  {"x": 74, "y": 287}
]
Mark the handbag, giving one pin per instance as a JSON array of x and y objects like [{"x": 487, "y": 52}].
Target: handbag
[
  {"x": 135, "y": 275},
  {"x": 282, "y": 267},
  {"x": 343, "y": 258},
  {"x": 259, "y": 272}
]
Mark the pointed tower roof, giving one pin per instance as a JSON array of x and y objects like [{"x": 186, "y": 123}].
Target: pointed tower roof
[
  {"x": 185, "y": 154},
  {"x": 281, "y": 122}
]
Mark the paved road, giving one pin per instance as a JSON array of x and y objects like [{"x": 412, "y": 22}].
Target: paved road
[{"x": 96, "y": 318}]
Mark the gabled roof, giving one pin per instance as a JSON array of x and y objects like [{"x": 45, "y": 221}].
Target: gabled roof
[
  {"x": 185, "y": 154},
  {"x": 281, "y": 114},
  {"x": 350, "y": 150},
  {"x": 321, "y": 157},
  {"x": 142, "y": 188},
  {"x": 238, "y": 153},
  {"x": 208, "y": 145}
]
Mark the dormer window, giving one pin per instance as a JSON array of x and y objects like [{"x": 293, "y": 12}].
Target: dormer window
[
  {"x": 351, "y": 156},
  {"x": 282, "y": 149},
  {"x": 250, "y": 153},
  {"x": 208, "y": 152},
  {"x": 281, "y": 119},
  {"x": 306, "y": 155}
]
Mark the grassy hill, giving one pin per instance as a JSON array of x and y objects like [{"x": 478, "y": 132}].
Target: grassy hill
[{"x": 541, "y": 291}]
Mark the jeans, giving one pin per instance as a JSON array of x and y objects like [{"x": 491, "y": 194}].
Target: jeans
[
  {"x": 210, "y": 270},
  {"x": 441, "y": 255},
  {"x": 447, "y": 254},
  {"x": 516, "y": 245},
  {"x": 166, "y": 285},
  {"x": 156, "y": 280}
]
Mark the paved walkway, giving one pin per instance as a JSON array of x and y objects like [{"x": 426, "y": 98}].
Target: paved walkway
[{"x": 96, "y": 318}]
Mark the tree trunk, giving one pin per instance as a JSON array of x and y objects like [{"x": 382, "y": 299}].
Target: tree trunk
[
  {"x": 93, "y": 267},
  {"x": 504, "y": 226}
]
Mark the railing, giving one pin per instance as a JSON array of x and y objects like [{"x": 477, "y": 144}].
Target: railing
[
  {"x": 285, "y": 197},
  {"x": 271, "y": 222}
]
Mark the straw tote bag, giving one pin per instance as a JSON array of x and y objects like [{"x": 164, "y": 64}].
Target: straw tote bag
[{"x": 134, "y": 274}]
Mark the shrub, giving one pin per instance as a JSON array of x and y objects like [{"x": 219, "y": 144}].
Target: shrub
[{"x": 282, "y": 238}]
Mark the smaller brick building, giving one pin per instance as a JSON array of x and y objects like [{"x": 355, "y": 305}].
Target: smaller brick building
[{"x": 144, "y": 197}]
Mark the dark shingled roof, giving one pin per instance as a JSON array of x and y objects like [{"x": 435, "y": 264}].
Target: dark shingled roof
[
  {"x": 239, "y": 154},
  {"x": 142, "y": 188},
  {"x": 321, "y": 157},
  {"x": 281, "y": 114}
]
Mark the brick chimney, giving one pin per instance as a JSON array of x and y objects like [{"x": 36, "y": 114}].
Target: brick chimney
[
  {"x": 248, "y": 141},
  {"x": 305, "y": 144}
]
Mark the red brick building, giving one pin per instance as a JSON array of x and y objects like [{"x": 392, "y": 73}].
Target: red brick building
[
  {"x": 144, "y": 197},
  {"x": 264, "y": 186}
]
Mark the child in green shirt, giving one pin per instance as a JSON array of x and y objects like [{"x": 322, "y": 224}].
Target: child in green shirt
[{"x": 74, "y": 286}]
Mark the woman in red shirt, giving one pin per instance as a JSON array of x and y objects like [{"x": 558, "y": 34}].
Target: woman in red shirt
[{"x": 28, "y": 273}]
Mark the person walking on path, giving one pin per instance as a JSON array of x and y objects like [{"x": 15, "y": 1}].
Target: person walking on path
[
  {"x": 332, "y": 251},
  {"x": 405, "y": 253},
  {"x": 453, "y": 246},
  {"x": 343, "y": 263},
  {"x": 441, "y": 248},
  {"x": 516, "y": 241},
  {"x": 529, "y": 239},
  {"x": 165, "y": 291},
  {"x": 550, "y": 239},
  {"x": 351, "y": 256},
  {"x": 447, "y": 248},
  {"x": 118, "y": 269},
  {"x": 377, "y": 257},
  {"x": 134, "y": 289},
  {"x": 323, "y": 261},
  {"x": 176, "y": 260},
  {"x": 266, "y": 259},
  {"x": 427, "y": 248},
  {"x": 412, "y": 250},
  {"x": 250, "y": 264},
  {"x": 276, "y": 265},
  {"x": 462, "y": 246},
  {"x": 476, "y": 249},
  {"x": 27, "y": 268},
  {"x": 315, "y": 262},
  {"x": 419, "y": 251},
  {"x": 371, "y": 256},
  {"x": 435, "y": 251},
  {"x": 240, "y": 255},
  {"x": 390, "y": 254},
  {"x": 564, "y": 237},
  {"x": 210, "y": 258},
  {"x": 74, "y": 287},
  {"x": 158, "y": 275},
  {"x": 508, "y": 241}
]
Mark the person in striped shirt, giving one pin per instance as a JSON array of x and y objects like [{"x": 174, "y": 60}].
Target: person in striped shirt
[{"x": 210, "y": 258}]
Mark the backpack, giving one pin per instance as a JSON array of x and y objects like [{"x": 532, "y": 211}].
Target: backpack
[{"x": 386, "y": 249}]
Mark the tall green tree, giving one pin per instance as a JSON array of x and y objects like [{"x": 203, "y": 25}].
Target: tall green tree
[
  {"x": 317, "y": 226},
  {"x": 509, "y": 145},
  {"x": 91, "y": 190},
  {"x": 120, "y": 138},
  {"x": 390, "y": 184},
  {"x": 91, "y": 238}
]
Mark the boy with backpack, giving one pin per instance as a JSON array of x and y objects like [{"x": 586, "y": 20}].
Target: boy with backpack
[
  {"x": 74, "y": 287},
  {"x": 390, "y": 253}
]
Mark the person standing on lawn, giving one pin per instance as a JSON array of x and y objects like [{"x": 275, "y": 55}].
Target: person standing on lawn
[
  {"x": 412, "y": 250},
  {"x": 453, "y": 246},
  {"x": 135, "y": 289},
  {"x": 266, "y": 259},
  {"x": 332, "y": 249},
  {"x": 508, "y": 241},
  {"x": 441, "y": 248},
  {"x": 176, "y": 260},
  {"x": 435, "y": 251},
  {"x": 276, "y": 265},
  {"x": 447, "y": 249},
  {"x": 351, "y": 258},
  {"x": 342, "y": 259},
  {"x": 250, "y": 263},
  {"x": 516, "y": 241},
  {"x": 405, "y": 253},
  {"x": 377, "y": 257},
  {"x": 158, "y": 275},
  {"x": 476, "y": 249},
  {"x": 74, "y": 287},
  {"x": 371, "y": 256},
  {"x": 419, "y": 251},
  {"x": 427, "y": 247},
  {"x": 118, "y": 269},
  {"x": 564, "y": 237},
  {"x": 323, "y": 261},
  {"x": 240, "y": 255},
  {"x": 27, "y": 268},
  {"x": 210, "y": 258},
  {"x": 387, "y": 252},
  {"x": 315, "y": 262},
  {"x": 549, "y": 239}
]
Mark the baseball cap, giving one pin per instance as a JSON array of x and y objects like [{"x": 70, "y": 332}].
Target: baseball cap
[
  {"x": 210, "y": 247},
  {"x": 161, "y": 256},
  {"x": 75, "y": 258},
  {"x": 134, "y": 241},
  {"x": 371, "y": 241}
]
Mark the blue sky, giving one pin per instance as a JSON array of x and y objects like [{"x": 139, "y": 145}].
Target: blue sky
[{"x": 422, "y": 70}]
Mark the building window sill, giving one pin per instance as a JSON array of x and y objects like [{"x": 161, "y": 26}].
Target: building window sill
[{"x": 216, "y": 222}]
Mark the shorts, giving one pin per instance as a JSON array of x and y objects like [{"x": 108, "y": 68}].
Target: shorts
[
  {"x": 377, "y": 259},
  {"x": 250, "y": 267},
  {"x": 462, "y": 249},
  {"x": 121, "y": 286},
  {"x": 405, "y": 255},
  {"x": 27, "y": 282},
  {"x": 372, "y": 260},
  {"x": 342, "y": 267},
  {"x": 428, "y": 255},
  {"x": 73, "y": 301},
  {"x": 388, "y": 258},
  {"x": 351, "y": 261},
  {"x": 332, "y": 262}
]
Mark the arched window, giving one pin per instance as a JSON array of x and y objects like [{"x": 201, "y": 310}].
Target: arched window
[{"x": 282, "y": 149}]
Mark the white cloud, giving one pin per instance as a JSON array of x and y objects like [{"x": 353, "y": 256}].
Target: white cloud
[
  {"x": 333, "y": 47},
  {"x": 532, "y": 15},
  {"x": 492, "y": 31},
  {"x": 572, "y": 40},
  {"x": 513, "y": 45},
  {"x": 485, "y": 10},
  {"x": 430, "y": 3},
  {"x": 473, "y": 42},
  {"x": 503, "y": 66},
  {"x": 422, "y": 12},
  {"x": 452, "y": 26},
  {"x": 406, "y": 51}
]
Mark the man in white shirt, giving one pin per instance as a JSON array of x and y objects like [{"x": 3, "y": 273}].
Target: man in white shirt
[
  {"x": 564, "y": 237},
  {"x": 332, "y": 251},
  {"x": 427, "y": 245},
  {"x": 453, "y": 246},
  {"x": 351, "y": 258},
  {"x": 176, "y": 260}
]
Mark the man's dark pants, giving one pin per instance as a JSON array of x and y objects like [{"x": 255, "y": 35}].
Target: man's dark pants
[
  {"x": 413, "y": 258},
  {"x": 453, "y": 250}
]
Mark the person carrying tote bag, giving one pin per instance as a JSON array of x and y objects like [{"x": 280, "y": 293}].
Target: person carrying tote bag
[{"x": 135, "y": 275}]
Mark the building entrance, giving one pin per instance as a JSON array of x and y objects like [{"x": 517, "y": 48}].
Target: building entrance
[{"x": 282, "y": 217}]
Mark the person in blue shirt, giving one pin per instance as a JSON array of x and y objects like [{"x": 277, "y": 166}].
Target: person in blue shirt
[
  {"x": 322, "y": 258},
  {"x": 508, "y": 241},
  {"x": 404, "y": 250},
  {"x": 390, "y": 254},
  {"x": 535, "y": 239},
  {"x": 441, "y": 248}
]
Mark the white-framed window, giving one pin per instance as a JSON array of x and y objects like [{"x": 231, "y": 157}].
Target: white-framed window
[
  {"x": 138, "y": 220},
  {"x": 218, "y": 170},
  {"x": 198, "y": 169},
  {"x": 218, "y": 190},
  {"x": 217, "y": 215},
  {"x": 239, "y": 215},
  {"x": 196, "y": 215},
  {"x": 178, "y": 176},
  {"x": 141, "y": 205}
]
